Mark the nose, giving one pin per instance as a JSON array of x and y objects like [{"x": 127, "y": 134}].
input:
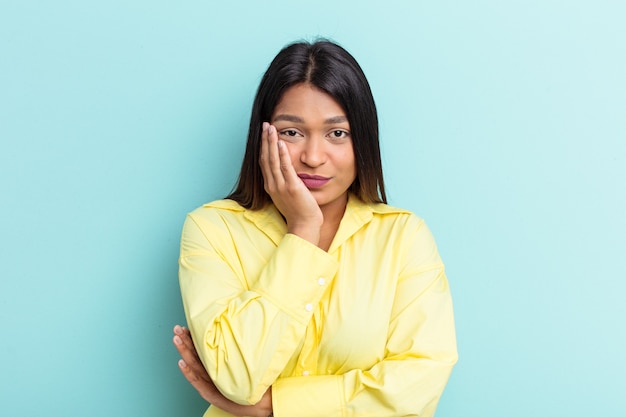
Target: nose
[{"x": 313, "y": 153}]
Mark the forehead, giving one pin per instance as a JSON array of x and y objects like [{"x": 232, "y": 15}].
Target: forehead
[{"x": 309, "y": 103}]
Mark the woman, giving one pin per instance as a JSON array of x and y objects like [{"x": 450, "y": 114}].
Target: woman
[{"x": 305, "y": 293}]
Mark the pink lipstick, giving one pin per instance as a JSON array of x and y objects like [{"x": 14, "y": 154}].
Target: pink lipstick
[{"x": 313, "y": 181}]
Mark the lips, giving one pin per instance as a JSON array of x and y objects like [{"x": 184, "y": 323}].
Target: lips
[{"x": 313, "y": 181}]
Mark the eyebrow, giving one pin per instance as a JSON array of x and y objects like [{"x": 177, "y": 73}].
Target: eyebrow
[
  {"x": 296, "y": 119},
  {"x": 336, "y": 119},
  {"x": 289, "y": 118}
]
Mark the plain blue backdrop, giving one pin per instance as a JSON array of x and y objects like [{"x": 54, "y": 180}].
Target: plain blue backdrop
[{"x": 502, "y": 122}]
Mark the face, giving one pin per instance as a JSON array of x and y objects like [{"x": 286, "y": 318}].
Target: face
[{"x": 317, "y": 134}]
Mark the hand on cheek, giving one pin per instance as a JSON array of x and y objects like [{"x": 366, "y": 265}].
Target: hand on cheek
[{"x": 292, "y": 198}]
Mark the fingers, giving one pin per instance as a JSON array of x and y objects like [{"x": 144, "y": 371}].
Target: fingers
[
  {"x": 268, "y": 178},
  {"x": 287, "y": 170},
  {"x": 204, "y": 386},
  {"x": 184, "y": 335},
  {"x": 274, "y": 157},
  {"x": 271, "y": 161},
  {"x": 184, "y": 344},
  {"x": 191, "y": 366},
  {"x": 263, "y": 162}
]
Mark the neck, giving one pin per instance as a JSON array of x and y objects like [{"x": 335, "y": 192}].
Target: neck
[{"x": 333, "y": 213}]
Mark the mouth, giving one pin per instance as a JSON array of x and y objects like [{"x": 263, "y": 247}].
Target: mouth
[{"x": 313, "y": 181}]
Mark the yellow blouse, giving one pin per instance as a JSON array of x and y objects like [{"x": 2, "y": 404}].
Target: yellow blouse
[{"x": 365, "y": 329}]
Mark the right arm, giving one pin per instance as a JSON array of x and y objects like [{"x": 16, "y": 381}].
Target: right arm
[{"x": 245, "y": 336}]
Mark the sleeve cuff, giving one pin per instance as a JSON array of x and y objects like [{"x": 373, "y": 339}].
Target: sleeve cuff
[{"x": 297, "y": 276}]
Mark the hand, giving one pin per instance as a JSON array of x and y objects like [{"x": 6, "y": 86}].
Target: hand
[
  {"x": 191, "y": 366},
  {"x": 291, "y": 197},
  {"x": 193, "y": 370}
]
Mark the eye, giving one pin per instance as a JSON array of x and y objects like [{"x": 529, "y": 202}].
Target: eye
[
  {"x": 289, "y": 132},
  {"x": 339, "y": 134}
]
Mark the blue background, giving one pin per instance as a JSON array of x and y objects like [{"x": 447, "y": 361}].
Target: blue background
[{"x": 503, "y": 124}]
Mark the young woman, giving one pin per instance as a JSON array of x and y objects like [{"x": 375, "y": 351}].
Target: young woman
[{"x": 305, "y": 293}]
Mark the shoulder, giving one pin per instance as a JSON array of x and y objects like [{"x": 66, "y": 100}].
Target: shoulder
[
  {"x": 213, "y": 223},
  {"x": 404, "y": 224},
  {"x": 214, "y": 215},
  {"x": 412, "y": 236},
  {"x": 217, "y": 209},
  {"x": 229, "y": 216},
  {"x": 218, "y": 206},
  {"x": 385, "y": 210},
  {"x": 387, "y": 214}
]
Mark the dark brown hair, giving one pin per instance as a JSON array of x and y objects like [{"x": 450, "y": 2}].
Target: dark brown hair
[{"x": 332, "y": 69}]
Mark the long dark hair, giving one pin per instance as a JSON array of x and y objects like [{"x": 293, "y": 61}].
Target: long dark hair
[{"x": 332, "y": 69}]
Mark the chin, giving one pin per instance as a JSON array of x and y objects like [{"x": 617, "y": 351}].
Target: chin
[{"x": 323, "y": 200}]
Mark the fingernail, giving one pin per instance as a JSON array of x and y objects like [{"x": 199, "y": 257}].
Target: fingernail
[
  {"x": 178, "y": 329},
  {"x": 178, "y": 340},
  {"x": 281, "y": 144},
  {"x": 265, "y": 126},
  {"x": 270, "y": 130},
  {"x": 182, "y": 363}
]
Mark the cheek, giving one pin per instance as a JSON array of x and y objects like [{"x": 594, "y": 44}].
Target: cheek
[
  {"x": 349, "y": 161},
  {"x": 353, "y": 169},
  {"x": 293, "y": 152}
]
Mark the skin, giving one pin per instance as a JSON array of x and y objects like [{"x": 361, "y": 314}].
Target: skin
[{"x": 308, "y": 134}]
